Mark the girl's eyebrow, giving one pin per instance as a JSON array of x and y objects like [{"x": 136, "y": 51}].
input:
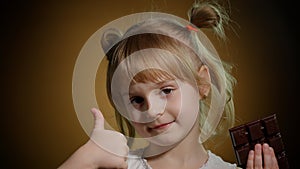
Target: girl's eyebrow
[
  {"x": 158, "y": 84},
  {"x": 166, "y": 82}
]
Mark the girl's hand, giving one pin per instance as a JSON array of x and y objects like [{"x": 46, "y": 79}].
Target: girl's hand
[
  {"x": 262, "y": 157},
  {"x": 110, "y": 145},
  {"x": 105, "y": 149}
]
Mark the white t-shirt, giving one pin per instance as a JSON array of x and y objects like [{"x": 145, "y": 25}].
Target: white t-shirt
[{"x": 213, "y": 162}]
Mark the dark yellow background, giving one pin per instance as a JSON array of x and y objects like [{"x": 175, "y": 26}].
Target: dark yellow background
[{"x": 40, "y": 42}]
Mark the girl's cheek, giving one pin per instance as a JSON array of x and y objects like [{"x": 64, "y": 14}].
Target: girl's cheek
[
  {"x": 138, "y": 127},
  {"x": 174, "y": 105},
  {"x": 135, "y": 125}
]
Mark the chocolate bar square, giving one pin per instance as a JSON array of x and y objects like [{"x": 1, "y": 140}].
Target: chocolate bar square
[{"x": 266, "y": 130}]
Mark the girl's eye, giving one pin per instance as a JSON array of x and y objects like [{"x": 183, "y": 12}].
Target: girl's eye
[
  {"x": 137, "y": 100},
  {"x": 167, "y": 90}
]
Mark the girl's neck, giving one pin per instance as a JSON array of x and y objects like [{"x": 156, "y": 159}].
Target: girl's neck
[{"x": 188, "y": 153}]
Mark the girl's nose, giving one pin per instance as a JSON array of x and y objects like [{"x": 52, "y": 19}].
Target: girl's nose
[{"x": 155, "y": 105}]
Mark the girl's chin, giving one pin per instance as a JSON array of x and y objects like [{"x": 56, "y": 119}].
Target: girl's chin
[
  {"x": 167, "y": 135},
  {"x": 166, "y": 139}
]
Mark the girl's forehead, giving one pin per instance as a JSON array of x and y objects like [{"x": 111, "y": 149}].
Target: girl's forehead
[{"x": 152, "y": 65}]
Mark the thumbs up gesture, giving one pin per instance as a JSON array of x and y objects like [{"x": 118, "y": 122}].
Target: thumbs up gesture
[
  {"x": 105, "y": 149},
  {"x": 112, "y": 143}
]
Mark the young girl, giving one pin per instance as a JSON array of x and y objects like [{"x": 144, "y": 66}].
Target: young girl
[{"x": 170, "y": 89}]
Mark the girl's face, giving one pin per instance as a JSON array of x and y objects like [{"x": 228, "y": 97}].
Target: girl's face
[{"x": 172, "y": 105}]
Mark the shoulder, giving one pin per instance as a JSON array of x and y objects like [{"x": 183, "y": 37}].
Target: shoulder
[{"x": 215, "y": 161}]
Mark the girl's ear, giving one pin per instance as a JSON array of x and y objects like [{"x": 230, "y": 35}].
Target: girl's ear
[{"x": 204, "y": 87}]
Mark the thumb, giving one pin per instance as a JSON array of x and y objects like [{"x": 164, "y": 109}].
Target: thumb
[{"x": 98, "y": 118}]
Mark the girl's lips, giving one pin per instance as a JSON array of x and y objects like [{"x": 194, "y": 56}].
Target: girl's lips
[{"x": 161, "y": 125}]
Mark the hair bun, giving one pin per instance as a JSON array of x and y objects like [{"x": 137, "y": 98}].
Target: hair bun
[
  {"x": 209, "y": 15},
  {"x": 109, "y": 38},
  {"x": 204, "y": 17}
]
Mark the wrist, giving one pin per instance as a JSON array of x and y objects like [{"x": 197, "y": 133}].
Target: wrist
[
  {"x": 86, "y": 157},
  {"x": 79, "y": 159}
]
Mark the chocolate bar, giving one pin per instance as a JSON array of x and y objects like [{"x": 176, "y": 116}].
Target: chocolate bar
[{"x": 266, "y": 130}]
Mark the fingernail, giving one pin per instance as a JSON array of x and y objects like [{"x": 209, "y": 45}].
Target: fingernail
[
  {"x": 257, "y": 147},
  {"x": 265, "y": 145},
  {"x": 94, "y": 109}
]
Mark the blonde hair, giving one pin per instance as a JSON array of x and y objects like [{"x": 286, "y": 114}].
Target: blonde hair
[{"x": 181, "y": 63}]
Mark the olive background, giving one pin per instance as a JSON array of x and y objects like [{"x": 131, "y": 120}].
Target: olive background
[{"x": 40, "y": 41}]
